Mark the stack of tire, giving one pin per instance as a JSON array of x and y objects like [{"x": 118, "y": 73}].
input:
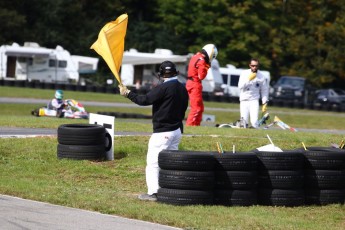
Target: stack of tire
[
  {"x": 186, "y": 178},
  {"x": 236, "y": 179},
  {"x": 281, "y": 178},
  {"x": 324, "y": 176},
  {"x": 81, "y": 142}
]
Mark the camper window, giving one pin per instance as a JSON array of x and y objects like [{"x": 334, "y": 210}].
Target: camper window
[
  {"x": 62, "y": 64},
  {"x": 234, "y": 80},
  {"x": 22, "y": 59},
  {"x": 52, "y": 63},
  {"x": 231, "y": 80}
]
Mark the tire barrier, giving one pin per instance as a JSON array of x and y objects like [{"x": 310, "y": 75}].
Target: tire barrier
[
  {"x": 281, "y": 178},
  {"x": 290, "y": 178},
  {"x": 81, "y": 142},
  {"x": 185, "y": 197},
  {"x": 236, "y": 179},
  {"x": 186, "y": 177},
  {"x": 324, "y": 175},
  {"x": 186, "y": 160}
]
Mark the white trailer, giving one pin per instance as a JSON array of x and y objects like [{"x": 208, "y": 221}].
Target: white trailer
[
  {"x": 35, "y": 63},
  {"x": 213, "y": 81},
  {"x": 139, "y": 69}
]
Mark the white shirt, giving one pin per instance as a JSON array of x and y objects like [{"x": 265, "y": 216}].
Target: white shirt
[{"x": 252, "y": 90}]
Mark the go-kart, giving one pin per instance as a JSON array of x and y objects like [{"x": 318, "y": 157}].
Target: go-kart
[{"x": 72, "y": 109}]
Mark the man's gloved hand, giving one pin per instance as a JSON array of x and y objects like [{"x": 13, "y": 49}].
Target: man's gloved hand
[
  {"x": 264, "y": 108},
  {"x": 123, "y": 90},
  {"x": 252, "y": 76}
]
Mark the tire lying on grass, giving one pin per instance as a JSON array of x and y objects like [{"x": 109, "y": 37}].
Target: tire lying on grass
[
  {"x": 324, "y": 158},
  {"x": 324, "y": 197},
  {"x": 81, "y": 152},
  {"x": 186, "y": 160},
  {"x": 82, "y": 142},
  {"x": 236, "y": 161},
  {"x": 184, "y": 197},
  {"x": 281, "y": 197},
  {"x": 81, "y": 134},
  {"x": 287, "y": 160},
  {"x": 193, "y": 180}
]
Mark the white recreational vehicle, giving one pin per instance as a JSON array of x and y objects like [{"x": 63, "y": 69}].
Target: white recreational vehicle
[
  {"x": 213, "y": 81},
  {"x": 139, "y": 69},
  {"x": 231, "y": 76},
  {"x": 35, "y": 63}
]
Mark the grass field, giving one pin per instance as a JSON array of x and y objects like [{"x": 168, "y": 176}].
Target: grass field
[{"x": 30, "y": 168}]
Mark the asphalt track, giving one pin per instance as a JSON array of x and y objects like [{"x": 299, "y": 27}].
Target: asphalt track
[{"x": 21, "y": 214}]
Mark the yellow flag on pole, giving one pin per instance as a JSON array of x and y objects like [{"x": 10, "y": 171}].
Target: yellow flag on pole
[{"x": 111, "y": 43}]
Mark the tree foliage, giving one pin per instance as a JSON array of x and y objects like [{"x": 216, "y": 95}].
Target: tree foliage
[{"x": 289, "y": 37}]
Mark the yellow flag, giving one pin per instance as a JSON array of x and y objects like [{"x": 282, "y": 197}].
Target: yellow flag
[{"x": 111, "y": 43}]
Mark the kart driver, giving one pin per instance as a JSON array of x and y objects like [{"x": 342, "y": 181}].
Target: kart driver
[
  {"x": 57, "y": 103},
  {"x": 197, "y": 71}
]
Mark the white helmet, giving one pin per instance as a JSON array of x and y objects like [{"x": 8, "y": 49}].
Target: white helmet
[{"x": 211, "y": 51}]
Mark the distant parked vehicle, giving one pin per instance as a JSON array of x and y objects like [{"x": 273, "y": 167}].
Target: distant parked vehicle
[
  {"x": 292, "y": 90},
  {"x": 332, "y": 98}
]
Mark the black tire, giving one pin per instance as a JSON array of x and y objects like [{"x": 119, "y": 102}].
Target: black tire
[
  {"x": 287, "y": 160},
  {"x": 324, "y": 197},
  {"x": 325, "y": 179},
  {"x": 81, "y": 134},
  {"x": 236, "y": 161},
  {"x": 280, "y": 197},
  {"x": 192, "y": 180},
  {"x": 277, "y": 179},
  {"x": 235, "y": 197},
  {"x": 327, "y": 158},
  {"x": 81, "y": 152},
  {"x": 322, "y": 149},
  {"x": 184, "y": 197},
  {"x": 186, "y": 160},
  {"x": 237, "y": 180}
]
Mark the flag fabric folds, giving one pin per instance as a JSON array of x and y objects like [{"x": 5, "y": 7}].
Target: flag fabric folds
[{"x": 111, "y": 43}]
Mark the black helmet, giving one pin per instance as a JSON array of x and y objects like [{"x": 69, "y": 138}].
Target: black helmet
[{"x": 167, "y": 67}]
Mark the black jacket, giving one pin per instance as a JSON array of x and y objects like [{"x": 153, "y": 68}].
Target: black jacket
[{"x": 169, "y": 102}]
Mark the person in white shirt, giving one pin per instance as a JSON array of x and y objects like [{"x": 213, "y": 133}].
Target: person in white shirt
[{"x": 252, "y": 85}]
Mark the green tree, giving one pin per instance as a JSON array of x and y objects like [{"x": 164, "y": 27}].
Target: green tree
[{"x": 314, "y": 47}]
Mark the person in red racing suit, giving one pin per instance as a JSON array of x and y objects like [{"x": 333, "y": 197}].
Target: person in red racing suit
[{"x": 197, "y": 71}]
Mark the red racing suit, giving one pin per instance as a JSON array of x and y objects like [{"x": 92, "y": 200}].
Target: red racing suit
[{"x": 197, "y": 71}]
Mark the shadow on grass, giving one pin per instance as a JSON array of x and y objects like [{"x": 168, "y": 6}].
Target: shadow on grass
[{"x": 120, "y": 155}]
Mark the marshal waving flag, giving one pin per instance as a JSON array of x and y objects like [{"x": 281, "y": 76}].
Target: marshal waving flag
[{"x": 111, "y": 43}]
